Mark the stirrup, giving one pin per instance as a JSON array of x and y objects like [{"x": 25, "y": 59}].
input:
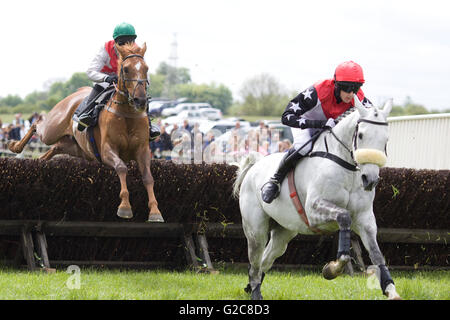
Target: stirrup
[{"x": 82, "y": 126}]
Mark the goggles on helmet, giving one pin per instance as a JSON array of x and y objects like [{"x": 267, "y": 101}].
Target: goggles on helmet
[{"x": 348, "y": 86}]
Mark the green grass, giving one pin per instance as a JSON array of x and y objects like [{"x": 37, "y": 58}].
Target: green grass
[{"x": 227, "y": 285}]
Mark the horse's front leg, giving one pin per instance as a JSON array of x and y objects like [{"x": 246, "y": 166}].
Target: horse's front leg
[
  {"x": 365, "y": 226},
  {"x": 111, "y": 158},
  {"x": 143, "y": 160},
  {"x": 326, "y": 211}
]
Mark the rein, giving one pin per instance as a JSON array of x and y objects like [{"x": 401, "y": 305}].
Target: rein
[{"x": 338, "y": 160}]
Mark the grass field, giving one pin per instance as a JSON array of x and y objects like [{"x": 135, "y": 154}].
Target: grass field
[{"x": 226, "y": 285}]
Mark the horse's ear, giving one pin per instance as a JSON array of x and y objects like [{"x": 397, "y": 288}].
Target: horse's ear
[
  {"x": 388, "y": 107},
  {"x": 359, "y": 106},
  {"x": 143, "y": 49}
]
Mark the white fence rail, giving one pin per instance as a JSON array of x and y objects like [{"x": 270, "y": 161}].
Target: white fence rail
[{"x": 419, "y": 142}]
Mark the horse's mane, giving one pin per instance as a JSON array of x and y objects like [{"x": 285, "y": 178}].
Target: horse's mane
[{"x": 345, "y": 114}]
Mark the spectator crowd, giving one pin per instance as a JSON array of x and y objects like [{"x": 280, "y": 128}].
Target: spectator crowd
[
  {"x": 185, "y": 142},
  {"x": 189, "y": 144}
]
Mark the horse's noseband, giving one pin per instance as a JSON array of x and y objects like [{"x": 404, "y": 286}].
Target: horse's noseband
[{"x": 144, "y": 82}]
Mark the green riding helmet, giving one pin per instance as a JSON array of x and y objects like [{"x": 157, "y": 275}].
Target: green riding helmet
[{"x": 123, "y": 29}]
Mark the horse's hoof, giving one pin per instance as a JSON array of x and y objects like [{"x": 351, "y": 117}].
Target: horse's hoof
[
  {"x": 256, "y": 294},
  {"x": 334, "y": 268},
  {"x": 155, "y": 218},
  {"x": 125, "y": 213},
  {"x": 12, "y": 146},
  {"x": 391, "y": 293},
  {"x": 328, "y": 271}
]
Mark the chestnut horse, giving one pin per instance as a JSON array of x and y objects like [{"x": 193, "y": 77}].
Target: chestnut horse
[{"x": 122, "y": 133}]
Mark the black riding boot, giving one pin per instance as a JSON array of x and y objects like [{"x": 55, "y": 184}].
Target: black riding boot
[
  {"x": 86, "y": 115},
  {"x": 270, "y": 190}
]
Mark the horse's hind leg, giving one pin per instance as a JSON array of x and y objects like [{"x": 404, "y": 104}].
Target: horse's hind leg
[
  {"x": 256, "y": 228},
  {"x": 65, "y": 145},
  {"x": 17, "y": 146},
  {"x": 279, "y": 239}
]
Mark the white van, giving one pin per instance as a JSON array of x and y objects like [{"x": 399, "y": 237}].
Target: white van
[{"x": 185, "y": 107}]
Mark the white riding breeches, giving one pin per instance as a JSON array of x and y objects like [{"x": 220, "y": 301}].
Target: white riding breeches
[{"x": 301, "y": 137}]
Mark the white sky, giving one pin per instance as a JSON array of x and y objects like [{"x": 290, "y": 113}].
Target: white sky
[{"x": 403, "y": 46}]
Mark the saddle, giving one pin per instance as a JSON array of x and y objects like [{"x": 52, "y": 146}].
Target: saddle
[{"x": 105, "y": 93}]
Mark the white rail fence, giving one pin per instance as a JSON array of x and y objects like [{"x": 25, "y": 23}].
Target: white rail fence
[{"x": 419, "y": 142}]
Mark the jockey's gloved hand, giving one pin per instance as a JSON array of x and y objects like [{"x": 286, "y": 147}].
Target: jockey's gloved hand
[
  {"x": 306, "y": 123},
  {"x": 330, "y": 123},
  {"x": 111, "y": 79}
]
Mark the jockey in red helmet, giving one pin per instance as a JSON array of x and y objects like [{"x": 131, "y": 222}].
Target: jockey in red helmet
[
  {"x": 310, "y": 111},
  {"x": 103, "y": 70}
]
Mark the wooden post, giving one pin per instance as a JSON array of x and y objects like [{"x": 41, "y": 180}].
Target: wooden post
[
  {"x": 42, "y": 248},
  {"x": 204, "y": 253},
  {"x": 191, "y": 257},
  {"x": 356, "y": 248},
  {"x": 28, "y": 248}
]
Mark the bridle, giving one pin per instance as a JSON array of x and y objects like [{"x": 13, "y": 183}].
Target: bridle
[
  {"x": 126, "y": 94},
  {"x": 342, "y": 162},
  {"x": 355, "y": 135}
]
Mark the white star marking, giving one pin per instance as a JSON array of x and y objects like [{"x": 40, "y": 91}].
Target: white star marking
[
  {"x": 307, "y": 93},
  {"x": 288, "y": 116},
  {"x": 294, "y": 106},
  {"x": 301, "y": 121}
]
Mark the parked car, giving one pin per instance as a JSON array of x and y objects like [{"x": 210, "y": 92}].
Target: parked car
[
  {"x": 191, "y": 116},
  {"x": 211, "y": 113},
  {"x": 157, "y": 105},
  {"x": 222, "y": 125},
  {"x": 184, "y": 107},
  {"x": 285, "y": 131}
]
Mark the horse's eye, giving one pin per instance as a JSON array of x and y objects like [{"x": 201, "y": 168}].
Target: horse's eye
[
  {"x": 360, "y": 136},
  {"x": 125, "y": 70}
]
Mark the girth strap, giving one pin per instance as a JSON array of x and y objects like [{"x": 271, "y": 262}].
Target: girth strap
[
  {"x": 90, "y": 132},
  {"x": 296, "y": 201},
  {"x": 334, "y": 158}
]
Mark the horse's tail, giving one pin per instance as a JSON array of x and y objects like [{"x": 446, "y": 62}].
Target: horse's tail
[{"x": 245, "y": 165}]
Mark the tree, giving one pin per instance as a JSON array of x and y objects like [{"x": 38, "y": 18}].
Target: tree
[
  {"x": 156, "y": 85},
  {"x": 408, "y": 108},
  {"x": 263, "y": 95},
  {"x": 218, "y": 96},
  {"x": 11, "y": 100},
  {"x": 174, "y": 83},
  {"x": 174, "y": 75}
]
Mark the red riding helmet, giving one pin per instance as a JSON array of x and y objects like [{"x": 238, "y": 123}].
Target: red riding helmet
[{"x": 349, "y": 71}]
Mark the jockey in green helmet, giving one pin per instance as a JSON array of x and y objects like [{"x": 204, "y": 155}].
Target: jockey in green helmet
[{"x": 103, "y": 70}]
